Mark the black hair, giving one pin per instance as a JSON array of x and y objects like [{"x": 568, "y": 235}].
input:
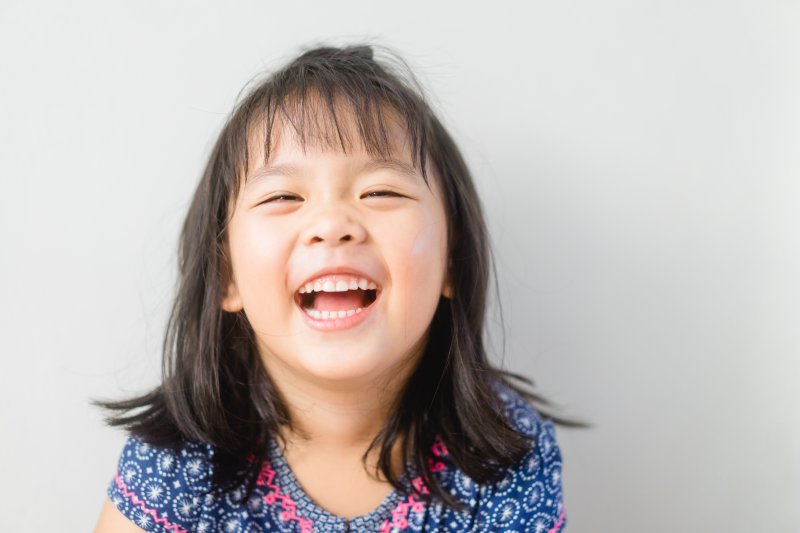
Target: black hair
[{"x": 214, "y": 386}]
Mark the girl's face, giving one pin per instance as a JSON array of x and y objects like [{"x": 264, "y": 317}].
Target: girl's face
[{"x": 307, "y": 217}]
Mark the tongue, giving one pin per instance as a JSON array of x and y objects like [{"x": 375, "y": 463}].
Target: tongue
[{"x": 338, "y": 301}]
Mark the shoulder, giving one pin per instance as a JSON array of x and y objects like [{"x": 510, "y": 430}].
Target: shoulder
[
  {"x": 529, "y": 495},
  {"x": 521, "y": 414},
  {"x": 161, "y": 488}
]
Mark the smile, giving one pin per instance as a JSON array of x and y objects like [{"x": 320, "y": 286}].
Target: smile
[{"x": 336, "y": 302}]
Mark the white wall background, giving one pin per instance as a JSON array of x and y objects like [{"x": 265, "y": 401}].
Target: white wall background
[{"x": 639, "y": 162}]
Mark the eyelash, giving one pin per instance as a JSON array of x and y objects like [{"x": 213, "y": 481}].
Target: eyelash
[
  {"x": 380, "y": 194},
  {"x": 275, "y": 198}
]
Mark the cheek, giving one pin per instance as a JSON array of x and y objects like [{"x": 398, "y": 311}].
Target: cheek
[
  {"x": 428, "y": 243},
  {"x": 420, "y": 259},
  {"x": 259, "y": 259}
]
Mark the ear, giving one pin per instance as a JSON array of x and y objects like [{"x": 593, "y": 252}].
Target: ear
[
  {"x": 232, "y": 302},
  {"x": 447, "y": 287}
]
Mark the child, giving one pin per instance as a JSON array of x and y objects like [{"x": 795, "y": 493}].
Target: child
[{"x": 324, "y": 362}]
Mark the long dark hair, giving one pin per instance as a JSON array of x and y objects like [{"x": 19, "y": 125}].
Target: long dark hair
[{"x": 214, "y": 386}]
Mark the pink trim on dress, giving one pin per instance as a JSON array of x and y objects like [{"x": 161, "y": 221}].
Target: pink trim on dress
[
  {"x": 151, "y": 512},
  {"x": 265, "y": 478},
  {"x": 400, "y": 513},
  {"x": 413, "y": 503},
  {"x": 439, "y": 450}
]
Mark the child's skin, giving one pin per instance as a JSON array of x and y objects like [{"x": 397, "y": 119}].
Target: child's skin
[{"x": 338, "y": 385}]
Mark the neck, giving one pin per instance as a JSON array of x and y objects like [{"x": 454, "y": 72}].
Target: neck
[{"x": 335, "y": 416}]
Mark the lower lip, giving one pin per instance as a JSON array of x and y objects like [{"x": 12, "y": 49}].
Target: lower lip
[{"x": 338, "y": 324}]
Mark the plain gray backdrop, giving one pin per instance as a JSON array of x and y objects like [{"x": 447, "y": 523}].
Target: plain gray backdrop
[{"x": 639, "y": 163}]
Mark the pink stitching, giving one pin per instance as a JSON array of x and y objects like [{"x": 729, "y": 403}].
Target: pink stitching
[
  {"x": 134, "y": 499},
  {"x": 420, "y": 485},
  {"x": 400, "y": 513},
  {"x": 439, "y": 450},
  {"x": 266, "y": 477},
  {"x": 559, "y": 522}
]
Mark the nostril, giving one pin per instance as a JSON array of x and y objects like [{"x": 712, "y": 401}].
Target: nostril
[{"x": 344, "y": 238}]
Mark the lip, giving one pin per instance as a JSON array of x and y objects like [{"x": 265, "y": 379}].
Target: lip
[
  {"x": 338, "y": 324},
  {"x": 347, "y": 322}
]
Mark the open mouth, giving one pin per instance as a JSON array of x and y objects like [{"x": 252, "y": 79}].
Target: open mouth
[{"x": 331, "y": 304}]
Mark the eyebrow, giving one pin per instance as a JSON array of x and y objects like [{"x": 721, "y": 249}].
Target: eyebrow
[
  {"x": 272, "y": 170},
  {"x": 394, "y": 164},
  {"x": 292, "y": 171}
]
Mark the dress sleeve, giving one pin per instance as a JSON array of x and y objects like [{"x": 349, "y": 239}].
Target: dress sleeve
[
  {"x": 530, "y": 496},
  {"x": 161, "y": 489}
]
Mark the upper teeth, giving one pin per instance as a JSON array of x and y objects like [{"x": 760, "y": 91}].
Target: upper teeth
[{"x": 350, "y": 283}]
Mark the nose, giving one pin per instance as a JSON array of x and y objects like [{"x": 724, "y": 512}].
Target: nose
[{"x": 334, "y": 225}]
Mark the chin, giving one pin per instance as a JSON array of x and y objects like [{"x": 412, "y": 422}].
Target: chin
[{"x": 337, "y": 368}]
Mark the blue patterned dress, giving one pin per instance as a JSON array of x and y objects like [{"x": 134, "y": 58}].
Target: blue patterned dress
[{"x": 167, "y": 491}]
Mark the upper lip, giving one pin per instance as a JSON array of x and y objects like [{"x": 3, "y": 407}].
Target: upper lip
[{"x": 339, "y": 269}]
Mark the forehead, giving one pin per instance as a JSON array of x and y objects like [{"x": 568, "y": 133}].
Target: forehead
[
  {"x": 331, "y": 125},
  {"x": 290, "y": 159}
]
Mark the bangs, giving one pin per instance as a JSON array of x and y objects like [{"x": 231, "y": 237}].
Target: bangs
[{"x": 342, "y": 102}]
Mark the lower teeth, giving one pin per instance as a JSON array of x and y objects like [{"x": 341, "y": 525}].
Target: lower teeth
[{"x": 331, "y": 315}]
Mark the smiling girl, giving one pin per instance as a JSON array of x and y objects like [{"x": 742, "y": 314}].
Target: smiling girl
[{"x": 324, "y": 365}]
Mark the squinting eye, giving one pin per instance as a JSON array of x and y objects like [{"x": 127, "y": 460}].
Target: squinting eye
[
  {"x": 280, "y": 197},
  {"x": 378, "y": 194}
]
